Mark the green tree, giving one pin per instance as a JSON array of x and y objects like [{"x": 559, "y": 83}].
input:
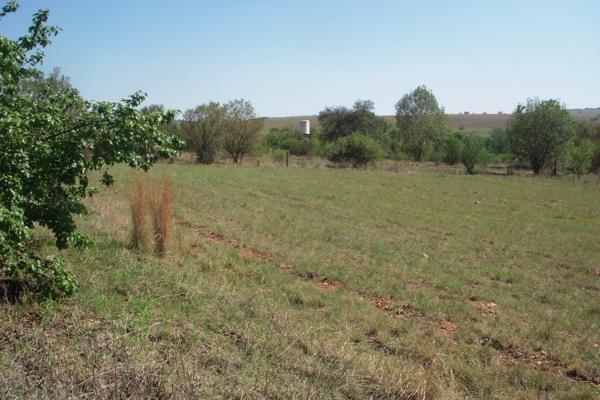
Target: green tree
[
  {"x": 337, "y": 122},
  {"x": 473, "y": 153},
  {"x": 498, "y": 143},
  {"x": 453, "y": 147},
  {"x": 241, "y": 129},
  {"x": 51, "y": 139},
  {"x": 580, "y": 157},
  {"x": 203, "y": 129},
  {"x": 591, "y": 131},
  {"x": 356, "y": 149},
  {"x": 421, "y": 120},
  {"x": 540, "y": 131}
]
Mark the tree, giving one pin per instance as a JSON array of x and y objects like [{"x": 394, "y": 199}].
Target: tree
[
  {"x": 580, "y": 157},
  {"x": 453, "y": 147},
  {"x": 203, "y": 128},
  {"x": 241, "y": 129},
  {"x": 540, "y": 131},
  {"x": 51, "y": 138},
  {"x": 498, "y": 143},
  {"x": 356, "y": 149},
  {"x": 421, "y": 120},
  {"x": 336, "y": 122},
  {"x": 591, "y": 131},
  {"x": 473, "y": 153}
]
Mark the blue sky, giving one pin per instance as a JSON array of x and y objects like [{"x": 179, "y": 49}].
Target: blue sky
[{"x": 293, "y": 58}]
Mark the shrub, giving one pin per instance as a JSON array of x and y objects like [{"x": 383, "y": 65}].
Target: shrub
[
  {"x": 290, "y": 140},
  {"x": 498, "y": 141},
  {"x": 51, "y": 139},
  {"x": 580, "y": 157},
  {"x": 337, "y": 122},
  {"x": 473, "y": 153},
  {"x": 356, "y": 149},
  {"x": 453, "y": 149}
]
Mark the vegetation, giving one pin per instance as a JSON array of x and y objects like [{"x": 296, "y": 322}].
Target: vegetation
[
  {"x": 473, "y": 153},
  {"x": 337, "y": 122},
  {"x": 289, "y": 283},
  {"x": 293, "y": 141},
  {"x": 51, "y": 138},
  {"x": 333, "y": 284},
  {"x": 580, "y": 157},
  {"x": 452, "y": 150},
  {"x": 540, "y": 132},
  {"x": 204, "y": 128},
  {"x": 356, "y": 149},
  {"x": 421, "y": 121},
  {"x": 241, "y": 130}
]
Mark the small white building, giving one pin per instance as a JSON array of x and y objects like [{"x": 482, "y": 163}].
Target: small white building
[{"x": 304, "y": 127}]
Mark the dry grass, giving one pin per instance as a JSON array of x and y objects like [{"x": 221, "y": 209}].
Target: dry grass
[
  {"x": 155, "y": 197},
  {"x": 163, "y": 200},
  {"x": 310, "y": 284}
]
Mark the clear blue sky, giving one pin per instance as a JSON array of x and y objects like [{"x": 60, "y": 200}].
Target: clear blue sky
[{"x": 293, "y": 58}]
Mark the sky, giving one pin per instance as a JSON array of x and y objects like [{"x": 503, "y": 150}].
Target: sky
[{"x": 297, "y": 57}]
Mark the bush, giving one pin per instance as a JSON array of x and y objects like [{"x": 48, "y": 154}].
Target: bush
[
  {"x": 51, "y": 139},
  {"x": 162, "y": 214},
  {"x": 473, "y": 153},
  {"x": 580, "y": 157},
  {"x": 357, "y": 149},
  {"x": 498, "y": 141},
  {"x": 290, "y": 140},
  {"x": 453, "y": 149}
]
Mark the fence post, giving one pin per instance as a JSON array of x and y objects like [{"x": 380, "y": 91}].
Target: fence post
[{"x": 287, "y": 161}]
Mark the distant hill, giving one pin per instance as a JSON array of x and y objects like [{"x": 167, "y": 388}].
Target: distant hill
[{"x": 468, "y": 122}]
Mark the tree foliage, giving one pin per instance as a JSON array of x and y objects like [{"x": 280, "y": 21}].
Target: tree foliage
[
  {"x": 580, "y": 157},
  {"x": 203, "y": 128},
  {"x": 473, "y": 153},
  {"x": 540, "y": 131},
  {"x": 241, "y": 129},
  {"x": 453, "y": 147},
  {"x": 337, "y": 122},
  {"x": 291, "y": 140},
  {"x": 51, "y": 139},
  {"x": 357, "y": 149},
  {"x": 421, "y": 121}
]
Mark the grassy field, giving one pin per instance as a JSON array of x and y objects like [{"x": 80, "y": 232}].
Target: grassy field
[{"x": 309, "y": 284}]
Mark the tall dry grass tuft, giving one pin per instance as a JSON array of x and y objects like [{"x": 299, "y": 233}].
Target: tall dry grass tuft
[
  {"x": 138, "y": 203},
  {"x": 163, "y": 201}
]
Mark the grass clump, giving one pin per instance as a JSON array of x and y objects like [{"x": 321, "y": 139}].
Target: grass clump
[{"x": 155, "y": 199}]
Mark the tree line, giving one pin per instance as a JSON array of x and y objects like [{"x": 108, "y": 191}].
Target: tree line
[{"x": 540, "y": 135}]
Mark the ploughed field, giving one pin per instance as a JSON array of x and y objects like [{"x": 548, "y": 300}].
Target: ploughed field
[{"x": 298, "y": 283}]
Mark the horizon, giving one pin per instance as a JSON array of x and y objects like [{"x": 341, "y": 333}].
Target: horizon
[{"x": 297, "y": 59}]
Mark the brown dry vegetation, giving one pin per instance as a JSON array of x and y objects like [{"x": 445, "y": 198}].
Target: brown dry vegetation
[
  {"x": 163, "y": 200},
  {"x": 151, "y": 197}
]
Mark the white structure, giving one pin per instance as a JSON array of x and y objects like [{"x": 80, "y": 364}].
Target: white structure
[{"x": 304, "y": 127}]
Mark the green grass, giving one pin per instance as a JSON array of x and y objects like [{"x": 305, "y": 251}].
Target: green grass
[{"x": 440, "y": 286}]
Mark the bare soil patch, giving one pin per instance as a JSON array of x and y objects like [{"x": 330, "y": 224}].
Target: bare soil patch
[
  {"x": 488, "y": 308},
  {"x": 399, "y": 311},
  {"x": 321, "y": 280},
  {"x": 513, "y": 355}
]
